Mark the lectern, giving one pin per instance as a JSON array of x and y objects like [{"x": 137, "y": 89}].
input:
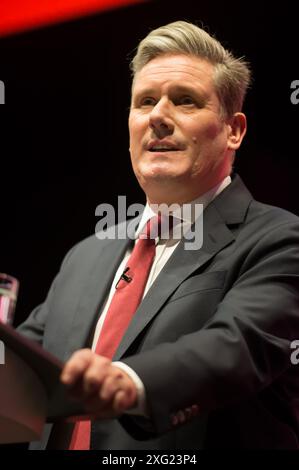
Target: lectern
[{"x": 30, "y": 390}]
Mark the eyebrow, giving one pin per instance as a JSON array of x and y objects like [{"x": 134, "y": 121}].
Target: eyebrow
[{"x": 173, "y": 88}]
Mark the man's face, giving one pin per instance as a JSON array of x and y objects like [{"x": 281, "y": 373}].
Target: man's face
[{"x": 178, "y": 140}]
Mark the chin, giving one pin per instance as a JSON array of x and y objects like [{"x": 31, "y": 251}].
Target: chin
[
  {"x": 160, "y": 171},
  {"x": 160, "y": 177}
]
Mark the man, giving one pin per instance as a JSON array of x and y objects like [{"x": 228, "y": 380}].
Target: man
[{"x": 204, "y": 360}]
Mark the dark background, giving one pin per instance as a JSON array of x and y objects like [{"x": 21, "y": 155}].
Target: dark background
[{"x": 64, "y": 139}]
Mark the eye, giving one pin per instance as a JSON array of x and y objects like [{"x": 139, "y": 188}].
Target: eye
[
  {"x": 147, "y": 101},
  {"x": 186, "y": 101}
]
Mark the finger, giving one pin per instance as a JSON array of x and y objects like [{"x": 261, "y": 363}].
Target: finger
[
  {"x": 122, "y": 401},
  {"x": 103, "y": 398},
  {"x": 106, "y": 409},
  {"x": 111, "y": 384},
  {"x": 126, "y": 396},
  {"x": 75, "y": 367},
  {"x": 95, "y": 375}
]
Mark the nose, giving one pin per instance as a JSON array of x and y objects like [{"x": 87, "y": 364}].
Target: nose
[{"x": 160, "y": 120}]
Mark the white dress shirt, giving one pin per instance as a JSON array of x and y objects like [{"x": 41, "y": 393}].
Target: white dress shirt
[{"x": 182, "y": 222}]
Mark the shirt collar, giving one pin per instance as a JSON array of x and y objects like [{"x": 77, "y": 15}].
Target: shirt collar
[{"x": 185, "y": 217}]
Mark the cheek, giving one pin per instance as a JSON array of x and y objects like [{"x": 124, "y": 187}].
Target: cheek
[
  {"x": 136, "y": 140},
  {"x": 206, "y": 133},
  {"x": 210, "y": 139},
  {"x": 137, "y": 127}
]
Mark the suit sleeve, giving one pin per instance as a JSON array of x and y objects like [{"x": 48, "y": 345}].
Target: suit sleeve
[
  {"x": 33, "y": 327},
  {"x": 241, "y": 350}
]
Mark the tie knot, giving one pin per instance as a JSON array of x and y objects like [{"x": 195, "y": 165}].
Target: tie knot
[
  {"x": 152, "y": 228},
  {"x": 159, "y": 225}
]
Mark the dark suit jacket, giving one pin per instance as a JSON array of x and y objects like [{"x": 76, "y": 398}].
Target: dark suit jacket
[{"x": 214, "y": 330}]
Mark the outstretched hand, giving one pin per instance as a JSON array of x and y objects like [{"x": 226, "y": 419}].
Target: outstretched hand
[{"x": 105, "y": 390}]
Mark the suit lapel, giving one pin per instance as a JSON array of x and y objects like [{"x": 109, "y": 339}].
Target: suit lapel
[
  {"x": 228, "y": 208},
  {"x": 94, "y": 291},
  {"x": 180, "y": 265}
]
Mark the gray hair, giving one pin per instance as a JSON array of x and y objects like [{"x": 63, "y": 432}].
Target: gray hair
[{"x": 231, "y": 75}]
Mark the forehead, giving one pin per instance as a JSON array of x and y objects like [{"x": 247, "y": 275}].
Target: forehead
[{"x": 167, "y": 70}]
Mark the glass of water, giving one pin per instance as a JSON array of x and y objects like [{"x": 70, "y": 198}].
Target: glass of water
[{"x": 9, "y": 287}]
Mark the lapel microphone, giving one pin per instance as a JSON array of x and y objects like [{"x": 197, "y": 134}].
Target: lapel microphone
[{"x": 124, "y": 277}]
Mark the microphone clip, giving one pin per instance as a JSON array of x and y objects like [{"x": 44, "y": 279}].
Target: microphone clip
[{"x": 124, "y": 277}]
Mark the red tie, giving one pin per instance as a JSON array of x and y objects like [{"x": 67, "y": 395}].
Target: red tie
[{"x": 124, "y": 303}]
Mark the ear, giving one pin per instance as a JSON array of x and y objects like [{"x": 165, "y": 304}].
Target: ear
[{"x": 237, "y": 127}]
